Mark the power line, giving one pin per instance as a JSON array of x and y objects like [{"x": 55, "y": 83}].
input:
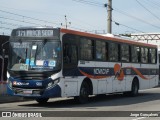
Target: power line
[
  {"x": 151, "y": 4},
  {"x": 127, "y": 26},
  {"x": 36, "y": 18},
  {"x": 155, "y": 3},
  {"x": 7, "y": 23},
  {"x": 136, "y": 18},
  {"x": 90, "y": 3},
  {"x": 28, "y": 17},
  {"x": 24, "y": 21},
  {"x": 147, "y": 10},
  {"x": 19, "y": 20},
  {"x": 120, "y": 11},
  {"x": 93, "y": 3}
]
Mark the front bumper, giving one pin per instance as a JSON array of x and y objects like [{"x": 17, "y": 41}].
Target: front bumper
[{"x": 33, "y": 88}]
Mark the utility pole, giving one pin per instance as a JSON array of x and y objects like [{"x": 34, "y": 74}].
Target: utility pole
[{"x": 109, "y": 19}]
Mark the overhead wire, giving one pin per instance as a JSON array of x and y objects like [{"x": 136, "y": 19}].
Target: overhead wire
[
  {"x": 24, "y": 21},
  {"x": 103, "y": 5},
  {"x": 11, "y": 24},
  {"x": 93, "y": 3},
  {"x": 27, "y": 17},
  {"x": 117, "y": 23},
  {"x": 90, "y": 3},
  {"x": 147, "y": 10},
  {"x": 19, "y": 20},
  {"x": 151, "y": 4},
  {"x": 136, "y": 18},
  {"x": 154, "y": 2}
]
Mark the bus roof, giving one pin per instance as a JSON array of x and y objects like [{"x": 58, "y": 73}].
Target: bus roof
[{"x": 116, "y": 39}]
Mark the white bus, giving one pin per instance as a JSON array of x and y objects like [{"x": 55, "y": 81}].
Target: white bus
[{"x": 53, "y": 62}]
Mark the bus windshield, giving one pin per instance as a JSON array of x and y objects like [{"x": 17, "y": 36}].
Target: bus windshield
[{"x": 39, "y": 55}]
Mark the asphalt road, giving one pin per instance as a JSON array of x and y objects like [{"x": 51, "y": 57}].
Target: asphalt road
[{"x": 105, "y": 107}]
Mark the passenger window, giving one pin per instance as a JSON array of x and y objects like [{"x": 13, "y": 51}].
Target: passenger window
[
  {"x": 101, "y": 50},
  {"x": 113, "y": 52},
  {"x": 86, "y": 49},
  {"x": 144, "y": 55},
  {"x": 125, "y": 53},
  {"x": 152, "y": 55},
  {"x": 134, "y": 54}
]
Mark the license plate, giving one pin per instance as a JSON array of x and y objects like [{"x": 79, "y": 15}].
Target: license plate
[{"x": 27, "y": 91}]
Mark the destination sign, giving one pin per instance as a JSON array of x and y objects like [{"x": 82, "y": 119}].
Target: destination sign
[{"x": 34, "y": 33}]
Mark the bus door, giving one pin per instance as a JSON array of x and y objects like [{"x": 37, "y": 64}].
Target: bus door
[
  {"x": 125, "y": 71},
  {"x": 117, "y": 65},
  {"x": 70, "y": 69},
  {"x": 70, "y": 58},
  {"x": 101, "y": 67}
]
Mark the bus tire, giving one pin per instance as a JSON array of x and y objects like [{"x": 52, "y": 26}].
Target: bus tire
[
  {"x": 84, "y": 93},
  {"x": 42, "y": 100},
  {"x": 135, "y": 88}
]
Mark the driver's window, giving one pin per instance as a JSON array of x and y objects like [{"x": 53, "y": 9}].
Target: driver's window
[{"x": 70, "y": 54}]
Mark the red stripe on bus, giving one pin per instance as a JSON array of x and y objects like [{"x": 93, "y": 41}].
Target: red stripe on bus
[
  {"x": 106, "y": 38},
  {"x": 92, "y": 76}
]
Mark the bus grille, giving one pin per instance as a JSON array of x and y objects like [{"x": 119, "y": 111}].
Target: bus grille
[{"x": 31, "y": 78}]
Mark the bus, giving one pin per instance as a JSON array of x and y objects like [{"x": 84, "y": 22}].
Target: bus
[
  {"x": 46, "y": 62},
  {"x": 151, "y": 38}
]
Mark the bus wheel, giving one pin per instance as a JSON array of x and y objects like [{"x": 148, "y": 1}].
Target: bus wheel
[
  {"x": 84, "y": 93},
  {"x": 42, "y": 100},
  {"x": 135, "y": 88}
]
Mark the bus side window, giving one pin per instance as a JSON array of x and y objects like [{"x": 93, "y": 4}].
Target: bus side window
[
  {"x": 113, "y": 52},
  {"x": 86, "y": 49},
  {"x": 152, "y": 55},
  {"x": 101, "y": 51},
  {"x": 138, "y": 54},
  {"x": 125, "y": 53},
  {"x": 135, "y": 54},
  {"x": 144, "y": 55}
]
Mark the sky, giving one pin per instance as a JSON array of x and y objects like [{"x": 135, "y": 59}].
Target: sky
[{"x": 131, "y": 16}]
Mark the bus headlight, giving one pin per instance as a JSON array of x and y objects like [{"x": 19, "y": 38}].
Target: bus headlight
[
  {"x": 8, "y": 75},
  {"x": 52, "y": 83},
  {"x": 10, "y": 84}
]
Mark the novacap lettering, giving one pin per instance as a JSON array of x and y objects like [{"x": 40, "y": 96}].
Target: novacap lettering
[{"x": 101, "y": 71}]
